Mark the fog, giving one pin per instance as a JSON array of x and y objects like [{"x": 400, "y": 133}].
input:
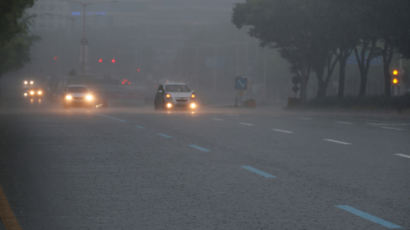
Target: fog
[{"x": 155, "y": 41}]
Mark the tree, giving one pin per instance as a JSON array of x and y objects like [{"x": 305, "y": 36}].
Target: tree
[{"x": 15, "y": 38}]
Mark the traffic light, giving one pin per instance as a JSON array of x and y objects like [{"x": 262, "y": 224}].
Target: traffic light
[
  {"x": 395, "y": 81},
  {"x": 100, "y": 60},
  {"x": 55, "y": 58},
  {"x": 138, "y": 70},
  {"x": 113, "y": 60}
]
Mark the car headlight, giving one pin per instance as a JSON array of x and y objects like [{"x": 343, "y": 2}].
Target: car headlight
[
  {"x": 193, "y": 105},
  {"x": 68, "y": 97},
  {"x": 32, "y": 92},
  {"x": 40, "y": 92},
  {"x": 25, "y": 82},
  {"x": 193, "y": 96},
  {"x": 169, "y": 105},
  {"x": 168, "y": 95},
  {"x": 25, "y": 94},
  {"x": 89, "y": 97},
  {"x": 31, "y": 82}
]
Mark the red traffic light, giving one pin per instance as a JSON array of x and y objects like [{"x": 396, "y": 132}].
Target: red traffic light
[
  {"x": 100, "y": 60},
  {"x": 138, "y": 70},
  {"x": 55, "y": 58},
  {"x": 113, "y": 60}
]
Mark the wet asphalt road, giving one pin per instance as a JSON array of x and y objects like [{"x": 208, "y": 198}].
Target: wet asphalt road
[{"x": 217, "y": 169}]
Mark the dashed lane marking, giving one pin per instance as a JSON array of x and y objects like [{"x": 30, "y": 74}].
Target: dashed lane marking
[
  {"x": 259, "y": 172},
  {"x": 217, "y": 119},
  {"x": 197, "y": 147},
  {"x": 391, "y": 128},
  {"x": 369, "y": 217},
  {"x": 402, "y": 155},
  {"x": 246, "y": 124},
  {"x": 111, "y": 117},
  {"x": 337, "y": 141},
  {"x": 283, "y": 131},
  {"x": 139, "y": 126},
  {"x": 344, "y": 122},
  {"x": 164, "y": 135}
]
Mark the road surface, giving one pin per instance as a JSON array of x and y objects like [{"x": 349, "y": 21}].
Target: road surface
[{"x": 220, "y": 168}]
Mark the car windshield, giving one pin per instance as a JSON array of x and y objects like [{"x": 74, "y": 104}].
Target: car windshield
[
  {"x": 77, "y": 89},
  {"x": 177, "y": 88}
]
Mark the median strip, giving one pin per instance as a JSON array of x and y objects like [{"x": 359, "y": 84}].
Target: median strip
[
  {"x": 259, "y": 172},
  {"x": 337, "y": 141},
  {"x": 111, "y": 117},
  {"x": 369, "y": 217},
  {"x": 199, "y": 148}
]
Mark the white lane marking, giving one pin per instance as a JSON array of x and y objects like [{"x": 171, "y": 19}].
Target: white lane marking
[
  {"x": 337, "y": 141},
  {"x": 305, "y": 118},
  {"x": 391, "y": 128},
  {"x": 344, "y": 122},
  {"x": 246, "y": 124},
  {"x": 164, "y": 135},
  {"x": 402, "y": 155},
  {"x": 283, "y": 131},
  {"x": 111, "y": 117},
  {"x": 388, "y": 124},
  {"x": 217, "y": 119}
]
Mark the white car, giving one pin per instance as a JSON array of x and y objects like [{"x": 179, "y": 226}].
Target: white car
[
  {"x": 175, "y": 95},
  {"x": 78, "y": 95}
]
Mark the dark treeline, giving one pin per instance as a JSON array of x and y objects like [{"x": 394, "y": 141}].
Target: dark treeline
[{"x": 317, "y": 37}]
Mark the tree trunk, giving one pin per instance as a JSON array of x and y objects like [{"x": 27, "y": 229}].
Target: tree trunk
[
  {"x": 363, "y": 84},
  {"x": 304, "y": 82},
  {"x": 342, "y": 77}
]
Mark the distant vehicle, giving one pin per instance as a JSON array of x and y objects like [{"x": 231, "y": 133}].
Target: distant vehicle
[
  {"x": 175, "y": 95},
  {"x": 34, "y": 95},
  {"x": 27, "y": 84},
  {"x": 79, "y": 95}
]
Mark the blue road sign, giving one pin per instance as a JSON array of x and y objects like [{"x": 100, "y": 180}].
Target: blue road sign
[{"x": 241, "y": 83}]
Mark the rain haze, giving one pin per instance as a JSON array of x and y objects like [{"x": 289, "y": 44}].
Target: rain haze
[{"x": 194, "y": 114}]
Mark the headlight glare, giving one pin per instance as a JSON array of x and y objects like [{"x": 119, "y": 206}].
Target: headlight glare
[
  {"x": 68, "y": 97},
  {"x": 193, "y": 105},
  {"x": 89, "y": 97}
]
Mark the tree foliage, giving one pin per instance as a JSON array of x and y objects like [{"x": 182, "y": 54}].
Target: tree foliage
[
  {"x": 15, "y": 37},
  {"x": 315, "y": 36}
]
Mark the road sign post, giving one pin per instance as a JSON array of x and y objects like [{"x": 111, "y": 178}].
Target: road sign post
[{"x": 241, "y": 84}]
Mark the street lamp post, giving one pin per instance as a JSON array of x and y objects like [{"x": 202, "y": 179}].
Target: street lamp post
[{"x": 84, "y": 40}]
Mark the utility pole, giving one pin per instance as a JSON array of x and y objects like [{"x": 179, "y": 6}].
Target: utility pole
[{"x": 84, "y": 40}]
